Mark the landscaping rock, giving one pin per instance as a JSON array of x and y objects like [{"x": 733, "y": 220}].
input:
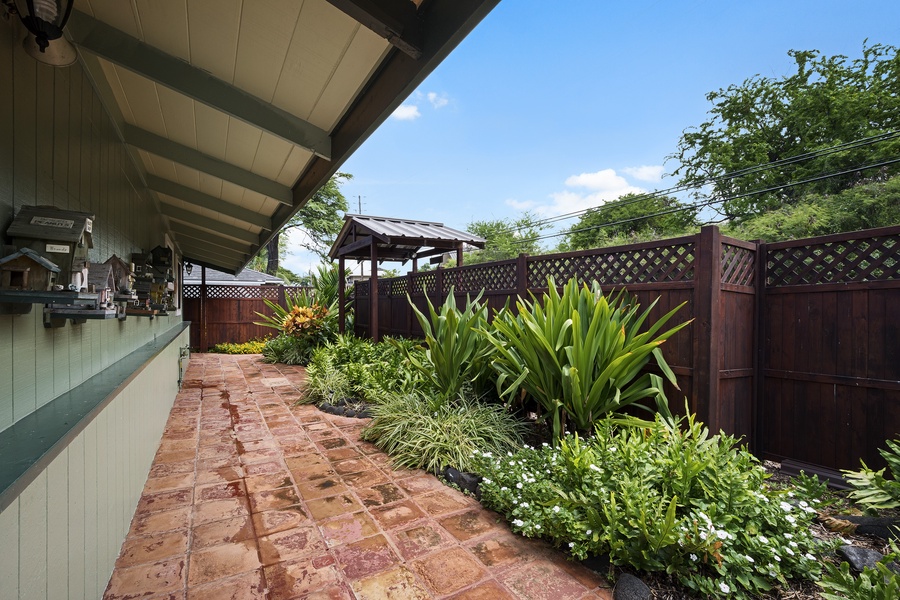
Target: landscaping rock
[
  {"x": 349, "y": 412},
  {"x": 860, "y": 558},
  {"x": 466, "y": 481},
  {"x": 885, "y": 528},
  {"x": 629, "y": 587},
  {"x": 326, "y": 407},
  {"x": 364, "y": 414},
  {"x": 597, "y": 563}
]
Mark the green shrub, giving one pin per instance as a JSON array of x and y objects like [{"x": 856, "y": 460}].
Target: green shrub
[
  {"x": 456, "y": 353},
  {"x": 880, "y": 583},
  {"x": 659, "y": 498},
  {"x": 418, "y": 436},
  {"x": 251, "y": 347},
  {"x": 304, "y": 325},
  {"x": 579, "y": 354},
  {"x": 871, "y": 488},
  {"x": 289, "y": 350}
]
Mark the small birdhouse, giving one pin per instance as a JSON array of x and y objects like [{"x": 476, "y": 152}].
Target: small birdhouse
[
  {"x": 121, "y": 274},
  {"x": 27, "y": 270},
  {"x": 101, "y": 282},
  {"x": 61, "y": 236}
]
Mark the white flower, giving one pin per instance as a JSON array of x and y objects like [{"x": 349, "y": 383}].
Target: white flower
[
  {"x": 785, "y": 506},
  {"x": 486, "y": 480},
  {"x": 776, "y": 557},
  {"x": 588, "y": 532},
  {"x": 788, "y": 536},
  {"x": 595, "y": 468},
  {"x": 809, "y": 556},
  {"x": 749, "y": 559},
  {"x": 702, "y": 535},
  {"x": 487, "y": 455},
  {"x": 790, "y": 519},
  {"x": 571, "y": 544},
  {"x": 537, "y": 525},
  {"x": 612, "y": 448},
  {"x": 524, "y": 505},
  {"x": 504, "y": 489},
  {"x": 693, "y": 557},
  {"x": 519, "y": 485},
  {"x": 545, "y": 445},
  {"x": 518, "y": 522},
  {"x": 790, "y": 494},
  {"x": 556, "y": 509},
  {"x": 764, "y": 539},
  {"x": 792, "y": 544},
  {"x": 722, "y": 534},
  {"x": 789, "y": 551},
  {"x": 724, "y": 587},
  {"x": 509, "y": 454},
  {"x": 803, "y": 504}
]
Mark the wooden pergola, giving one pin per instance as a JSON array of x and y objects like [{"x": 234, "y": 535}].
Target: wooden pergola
[{"x": 381, "y": 239}]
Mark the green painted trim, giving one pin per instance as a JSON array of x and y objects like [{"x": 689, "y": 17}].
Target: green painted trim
[
  {"x": 31, "y": 444},
  {"x": 198, "y": 198}
]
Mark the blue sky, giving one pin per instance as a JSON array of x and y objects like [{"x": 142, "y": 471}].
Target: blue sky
[{"x": 553, "y": 106}]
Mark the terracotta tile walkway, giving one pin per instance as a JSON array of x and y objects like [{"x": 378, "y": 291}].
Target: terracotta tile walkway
[{"x": 252, "y": 497}]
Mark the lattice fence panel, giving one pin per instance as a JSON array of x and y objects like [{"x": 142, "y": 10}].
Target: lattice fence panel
[
  {"x": 428, "y": 279},
  {"x": 399, "y": 286},
  {"x": 237, "y": 292},
  {"x": 646, "y": 265},
  {"x": 738, "y": 265},
  {"x": 869, "y": 259},
  {"x": 489, "y": 277},
  {"x": 191, "y": 291},
  {"x": 362, "y": 289}
]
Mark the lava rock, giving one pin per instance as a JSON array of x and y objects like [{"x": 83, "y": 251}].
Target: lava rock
[
  {"x": 859, "y": 558},
  {"x": 629, "y": 587},
  {"x": 342, "y": 402},
  {"x": 364, "y": 414},
  {"x": 882, "y": 527},
  {"x": 326, "y": 407},
  {"x": 349, "y": 412},
  {"x": 466, "y": 481}
]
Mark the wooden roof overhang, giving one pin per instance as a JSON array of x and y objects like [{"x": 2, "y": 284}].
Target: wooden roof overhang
[{"x": 236, "y": 112}]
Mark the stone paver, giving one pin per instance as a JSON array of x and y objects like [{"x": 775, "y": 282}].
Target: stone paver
[{"x": 252, "y": 497}]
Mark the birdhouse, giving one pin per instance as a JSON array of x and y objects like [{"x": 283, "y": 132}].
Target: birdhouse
[
  {"x": 122, "y": 274},
  {"x": 27, "y": 270},
  {"x": 61, "y": 236},
  {"x": 101, "y": 282}
]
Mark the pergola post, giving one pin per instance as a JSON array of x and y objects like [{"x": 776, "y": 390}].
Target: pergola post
[
  {"x": 459, "y": 254},
  {"x": 204, "y": 344},
  {"x": 373, "y": 292},
  {"x": 342, "y": 295}
]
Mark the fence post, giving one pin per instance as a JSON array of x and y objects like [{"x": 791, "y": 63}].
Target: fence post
[
  {"x": 759, "y": 358},
  {"x": 204, "y": 306},
  {"x": 522, "y": 275},
  {"x": 708, "y": 326},
  {"x": 408, "y": 308},
  {"x": 439, "y": 285}
]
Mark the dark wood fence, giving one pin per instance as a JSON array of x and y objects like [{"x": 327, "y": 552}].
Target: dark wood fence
[
  {"x": 797, "y": 352},
  {"x": 225, "y": 313}
]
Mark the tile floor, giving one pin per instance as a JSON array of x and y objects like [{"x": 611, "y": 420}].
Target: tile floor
[{"x": 251, "y": 497}]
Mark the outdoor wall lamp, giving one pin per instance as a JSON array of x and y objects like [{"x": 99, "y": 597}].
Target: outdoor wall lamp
[
  {"x": 44, "y": 20},
  {"x": 188, "y": 267}
]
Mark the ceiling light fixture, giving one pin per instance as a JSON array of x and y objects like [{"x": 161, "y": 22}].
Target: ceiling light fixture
[{"x": 45, "y": 20}]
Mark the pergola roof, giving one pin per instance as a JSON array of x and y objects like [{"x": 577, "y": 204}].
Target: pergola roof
[
  {"x": 235, "y": 112},
  {"x": 397, "y": 239}
]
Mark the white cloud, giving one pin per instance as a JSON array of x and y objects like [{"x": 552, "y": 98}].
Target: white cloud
[
  {"x": 406, "y": 112},
  {"x": 521, "y": 205},
  {"x": 587, "y": 190},
  {"x": 645, "y": 172},
  {"x": 438, "y": 100},
  {"x": 602, "y": 180}
]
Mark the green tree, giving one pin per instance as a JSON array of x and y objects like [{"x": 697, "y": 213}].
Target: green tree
[
  {"x": 630, "y": 218},
  {"x": 320, "y": 220},
  {"x": 828, "y": 101},
  {"x": 505, "y": 238},
  {"x": 868, "y": 205}
]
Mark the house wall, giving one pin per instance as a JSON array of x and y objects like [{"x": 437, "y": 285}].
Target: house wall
[
  {"x": 62, "y": 535},
  {"x": 58, "y": 147}
]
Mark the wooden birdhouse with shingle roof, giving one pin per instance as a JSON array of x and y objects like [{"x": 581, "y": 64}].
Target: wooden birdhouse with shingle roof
[
  {"x": 26, "y": 270},
  {"x": 61, "y": 236}
]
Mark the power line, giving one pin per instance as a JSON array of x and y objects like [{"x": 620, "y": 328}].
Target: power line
[
  {"x": 719, "y": 200},
  {"x": 760, "y": 168}
]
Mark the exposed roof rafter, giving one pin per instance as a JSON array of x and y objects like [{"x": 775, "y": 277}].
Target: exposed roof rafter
[
  {"x": 198, "y": 198},
  {"x": 397, "y": 21},
  {"x": 182, "y": 230},
  {"x": 180, "y": 214},
  {"x": 117, "y": 47}
]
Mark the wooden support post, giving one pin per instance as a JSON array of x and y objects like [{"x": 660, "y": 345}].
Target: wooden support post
[
  {"x": 342, "y": 296},
  {"x": 204, "y": 342},
  {"x": 522, "y": 275},
  {"x": 373, "y": 292},
  {"x": 759, "y": 342},
  {"x": 707, "y": 327},
  {"x": 459, "y": 254},
  {"x": 408, "y": 312}
]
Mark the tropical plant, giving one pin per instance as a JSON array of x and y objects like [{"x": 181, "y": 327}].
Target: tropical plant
[
  {"x": 659, "y": 497},
  {"x": 251, "y": 347},
  {"x": 871, "y": 488},
  {"x": 304, "y": 325},
  {"x": 878, "y": 583},
  {"x": 579, "y": 354},
  {"x": 456, "y": 353},
  {"x": 418, "y": 435}
]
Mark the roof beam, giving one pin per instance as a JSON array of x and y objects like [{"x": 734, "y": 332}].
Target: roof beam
[
  {"x": 189, "y": 246},
  {"x": 395, "y": 20},
  {"x": 198, "y": 198},
  {"x": 182, "y": 230},
  {"x": 117, "y": 47},
  {"x": 180, "y": 214},
  {"x": 215, "y": 262},
  {"x": 184, "y": 155},
  {"x": 357, "y": 245}
]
